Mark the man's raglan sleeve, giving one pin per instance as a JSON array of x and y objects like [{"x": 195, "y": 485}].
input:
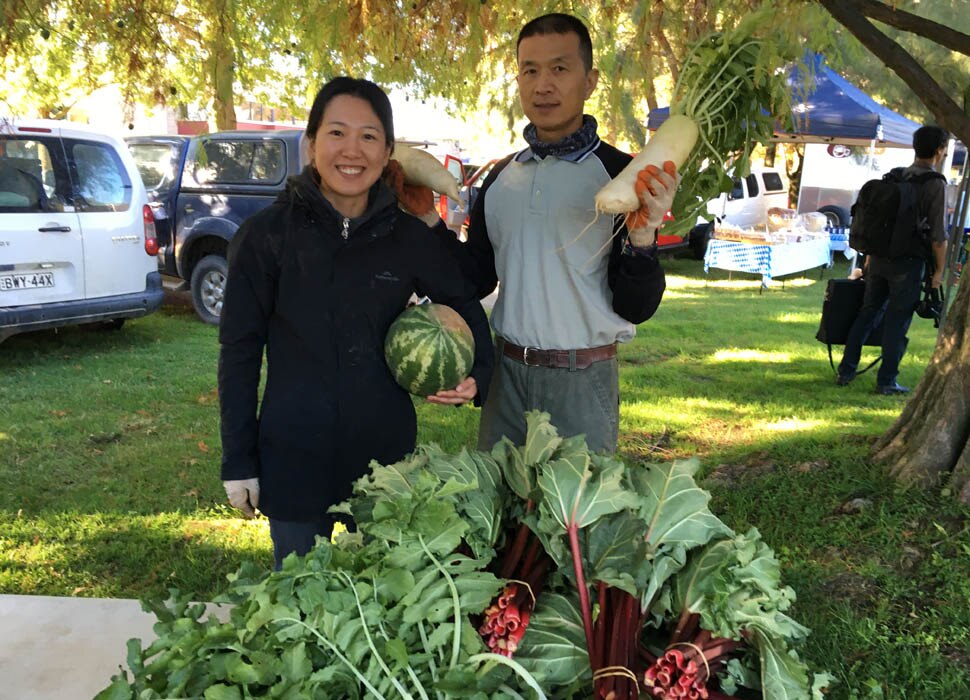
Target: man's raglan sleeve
[
  {"x": 475, "y": 256},
  {"x": 634, "y": 275}
]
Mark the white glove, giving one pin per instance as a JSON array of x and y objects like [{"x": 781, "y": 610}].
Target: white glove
[
  {"x": 642, "y": 224},
  {"x": 244, "y": 495}
]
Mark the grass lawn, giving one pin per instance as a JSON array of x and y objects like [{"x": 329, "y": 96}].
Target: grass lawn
[{"x": 109, "y": 460}]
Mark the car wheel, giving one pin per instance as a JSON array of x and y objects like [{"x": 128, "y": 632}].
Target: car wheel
[
  {"x": 114, "y": 324},
  {"x": 698, "y": 238},
  {"x": 837, "y": 216},
  {"x": 208, "y": 286}
]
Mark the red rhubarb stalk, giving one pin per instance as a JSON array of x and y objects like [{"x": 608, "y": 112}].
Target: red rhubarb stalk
[{"x": 573, "y": 532}]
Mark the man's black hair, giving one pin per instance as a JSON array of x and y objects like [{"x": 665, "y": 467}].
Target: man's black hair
[
  {"x": 355, "y": 87},
  {"x": 927, "y": 139},
  {"x": 558, "y": 23}
]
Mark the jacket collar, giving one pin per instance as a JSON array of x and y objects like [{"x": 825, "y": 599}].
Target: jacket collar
[{"x": 303, "y": 191}]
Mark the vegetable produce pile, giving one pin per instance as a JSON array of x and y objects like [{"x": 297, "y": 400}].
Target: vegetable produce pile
[{"x": 534, "y": 571}]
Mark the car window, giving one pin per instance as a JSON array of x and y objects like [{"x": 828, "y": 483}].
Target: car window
[
  {"x": 28, "y": 178},
  {"x": 480, "y": 180},
  {"x": 269, "y": 162},
  {"x": 156, "y": 164},
  {"x": 454, "y": 167},
  {"x": 773, "y": 182},
  {"x": 752, "y": 181},
  {"x": 238, "y": 162},
  {"x": 737, "y": 192},
  {"x": 102, "y": 183}
]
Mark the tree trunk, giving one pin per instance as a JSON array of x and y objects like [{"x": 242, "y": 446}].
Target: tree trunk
[
  {"x": 222, "y": 66},
  {"x": 928, "y": 444}
]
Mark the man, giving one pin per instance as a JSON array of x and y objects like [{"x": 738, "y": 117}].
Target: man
[
  {"x": 893, "y": 284},
  {"x": 571, "y": 283}
]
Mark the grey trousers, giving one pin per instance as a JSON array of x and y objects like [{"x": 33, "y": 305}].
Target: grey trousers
[{"x": 578, "y": 401}]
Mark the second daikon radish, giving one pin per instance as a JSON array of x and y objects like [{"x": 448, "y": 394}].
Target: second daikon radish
[{"x": 422, "y": 168}]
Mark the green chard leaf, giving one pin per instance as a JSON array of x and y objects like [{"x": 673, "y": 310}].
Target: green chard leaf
[
  {"x": 615, "y": 552},
  {"x": 783, "y": 675},
  {"x": 553, "y": 648},
  {"x": 673, "y": 506},
  {"x": 519, "y": 463},
  {"x": 677, "y": 519},
  {"x": 480, "y": 505},
  {"x": 576, "y": 493}
]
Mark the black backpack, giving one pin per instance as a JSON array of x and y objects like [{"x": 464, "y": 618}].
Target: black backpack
[{"x": 886, "y": 221}]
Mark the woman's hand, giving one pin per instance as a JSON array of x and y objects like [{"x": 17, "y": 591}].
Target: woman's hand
[
  {"x": 463, "y": 393},
  {"x": 414, "y": 199}
]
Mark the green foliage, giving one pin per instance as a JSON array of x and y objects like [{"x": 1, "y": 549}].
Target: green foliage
[{"x": 278, "y": 54}]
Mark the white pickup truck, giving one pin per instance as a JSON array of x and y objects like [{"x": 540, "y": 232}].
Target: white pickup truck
[{"x": 745, "y": 206}]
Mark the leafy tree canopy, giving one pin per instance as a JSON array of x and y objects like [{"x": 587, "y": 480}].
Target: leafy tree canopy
[{"x": 219, "y": 52}]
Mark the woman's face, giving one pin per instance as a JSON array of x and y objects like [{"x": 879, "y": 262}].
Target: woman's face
[{"x": 349, "y": 153}]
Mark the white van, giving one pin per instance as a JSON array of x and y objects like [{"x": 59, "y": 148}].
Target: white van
[{"x": 77, "y": 236}]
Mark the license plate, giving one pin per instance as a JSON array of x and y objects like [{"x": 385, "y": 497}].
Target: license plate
[{"x": 34, "y": 280}]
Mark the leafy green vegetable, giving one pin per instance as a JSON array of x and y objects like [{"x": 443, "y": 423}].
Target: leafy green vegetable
[{"x": 577, "y": 569}]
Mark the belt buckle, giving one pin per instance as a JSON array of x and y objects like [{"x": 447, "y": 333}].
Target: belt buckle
[{"x": 525, "y": 356}]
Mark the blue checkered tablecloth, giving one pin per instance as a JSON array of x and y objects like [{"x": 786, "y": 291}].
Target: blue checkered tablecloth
[
  {"x": 838, "y": 238},
  {"x": 769, "y": 261}
]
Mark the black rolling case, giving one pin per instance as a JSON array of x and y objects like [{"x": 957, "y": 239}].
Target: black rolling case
[{"x": 843, "y": 299}]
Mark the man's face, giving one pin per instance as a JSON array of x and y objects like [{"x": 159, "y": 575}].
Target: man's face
[{"x": 553, "y": 83}]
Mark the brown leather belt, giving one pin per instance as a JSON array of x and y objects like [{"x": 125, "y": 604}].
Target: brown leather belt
[{"x": 535, "y": 357}]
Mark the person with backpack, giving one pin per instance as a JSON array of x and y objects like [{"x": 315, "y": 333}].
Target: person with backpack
[{"x": 899, "y": 223}]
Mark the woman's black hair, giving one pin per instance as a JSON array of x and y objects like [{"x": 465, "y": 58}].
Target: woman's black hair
[{"x": 355, "y": 87}]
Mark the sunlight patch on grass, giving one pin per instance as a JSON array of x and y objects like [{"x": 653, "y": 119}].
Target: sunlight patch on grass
[
  {"x": 749, "y": 355},
  {"x": 228, "y": 528},
  {"x": 792, "y": 317},
  {"x": 682, "y": 294},
  {"x": 686, "y": 408},
  {"x": 681, "y": 282},
  {"x": 792, "y": 424},
  {"x": 752, "y": 283}
]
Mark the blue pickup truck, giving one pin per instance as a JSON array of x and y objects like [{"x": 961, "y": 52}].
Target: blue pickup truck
[{"x": 202, "y": 188}]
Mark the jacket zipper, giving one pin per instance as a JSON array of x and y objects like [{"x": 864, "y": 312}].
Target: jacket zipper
[{"x": 346, "y": 232}]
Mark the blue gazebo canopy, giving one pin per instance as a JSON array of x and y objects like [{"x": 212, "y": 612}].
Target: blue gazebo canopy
[{"x": 828, "y": 108}]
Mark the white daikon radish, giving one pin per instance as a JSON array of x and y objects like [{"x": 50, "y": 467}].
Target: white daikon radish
[
  {"x": 673, "y": 141},
  {"x": 422, "y": 168}
]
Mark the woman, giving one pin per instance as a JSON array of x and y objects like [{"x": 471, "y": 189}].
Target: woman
[{"x": 316, "y": 279}]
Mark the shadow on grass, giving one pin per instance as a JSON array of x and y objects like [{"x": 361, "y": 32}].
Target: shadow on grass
[{"x": 120, "y": 555}]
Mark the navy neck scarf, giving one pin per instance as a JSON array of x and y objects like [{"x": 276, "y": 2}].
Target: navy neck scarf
[{"x": 578, "y": 140}]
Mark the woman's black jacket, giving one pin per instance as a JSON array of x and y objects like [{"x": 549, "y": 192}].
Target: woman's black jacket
[{"x": 318, "y": 292}]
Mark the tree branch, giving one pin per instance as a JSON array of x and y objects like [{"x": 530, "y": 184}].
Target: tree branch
[
  {"x": 661, "y": 38},
  {"x": 947, "y": 113},
  {"x": 908, "y": 22}
]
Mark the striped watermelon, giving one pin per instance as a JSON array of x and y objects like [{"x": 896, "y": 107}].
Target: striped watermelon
[{"x": 429, "y": 347}]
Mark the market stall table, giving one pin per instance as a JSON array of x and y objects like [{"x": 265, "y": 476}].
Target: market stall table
[{"x": 768, "y": 260}]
